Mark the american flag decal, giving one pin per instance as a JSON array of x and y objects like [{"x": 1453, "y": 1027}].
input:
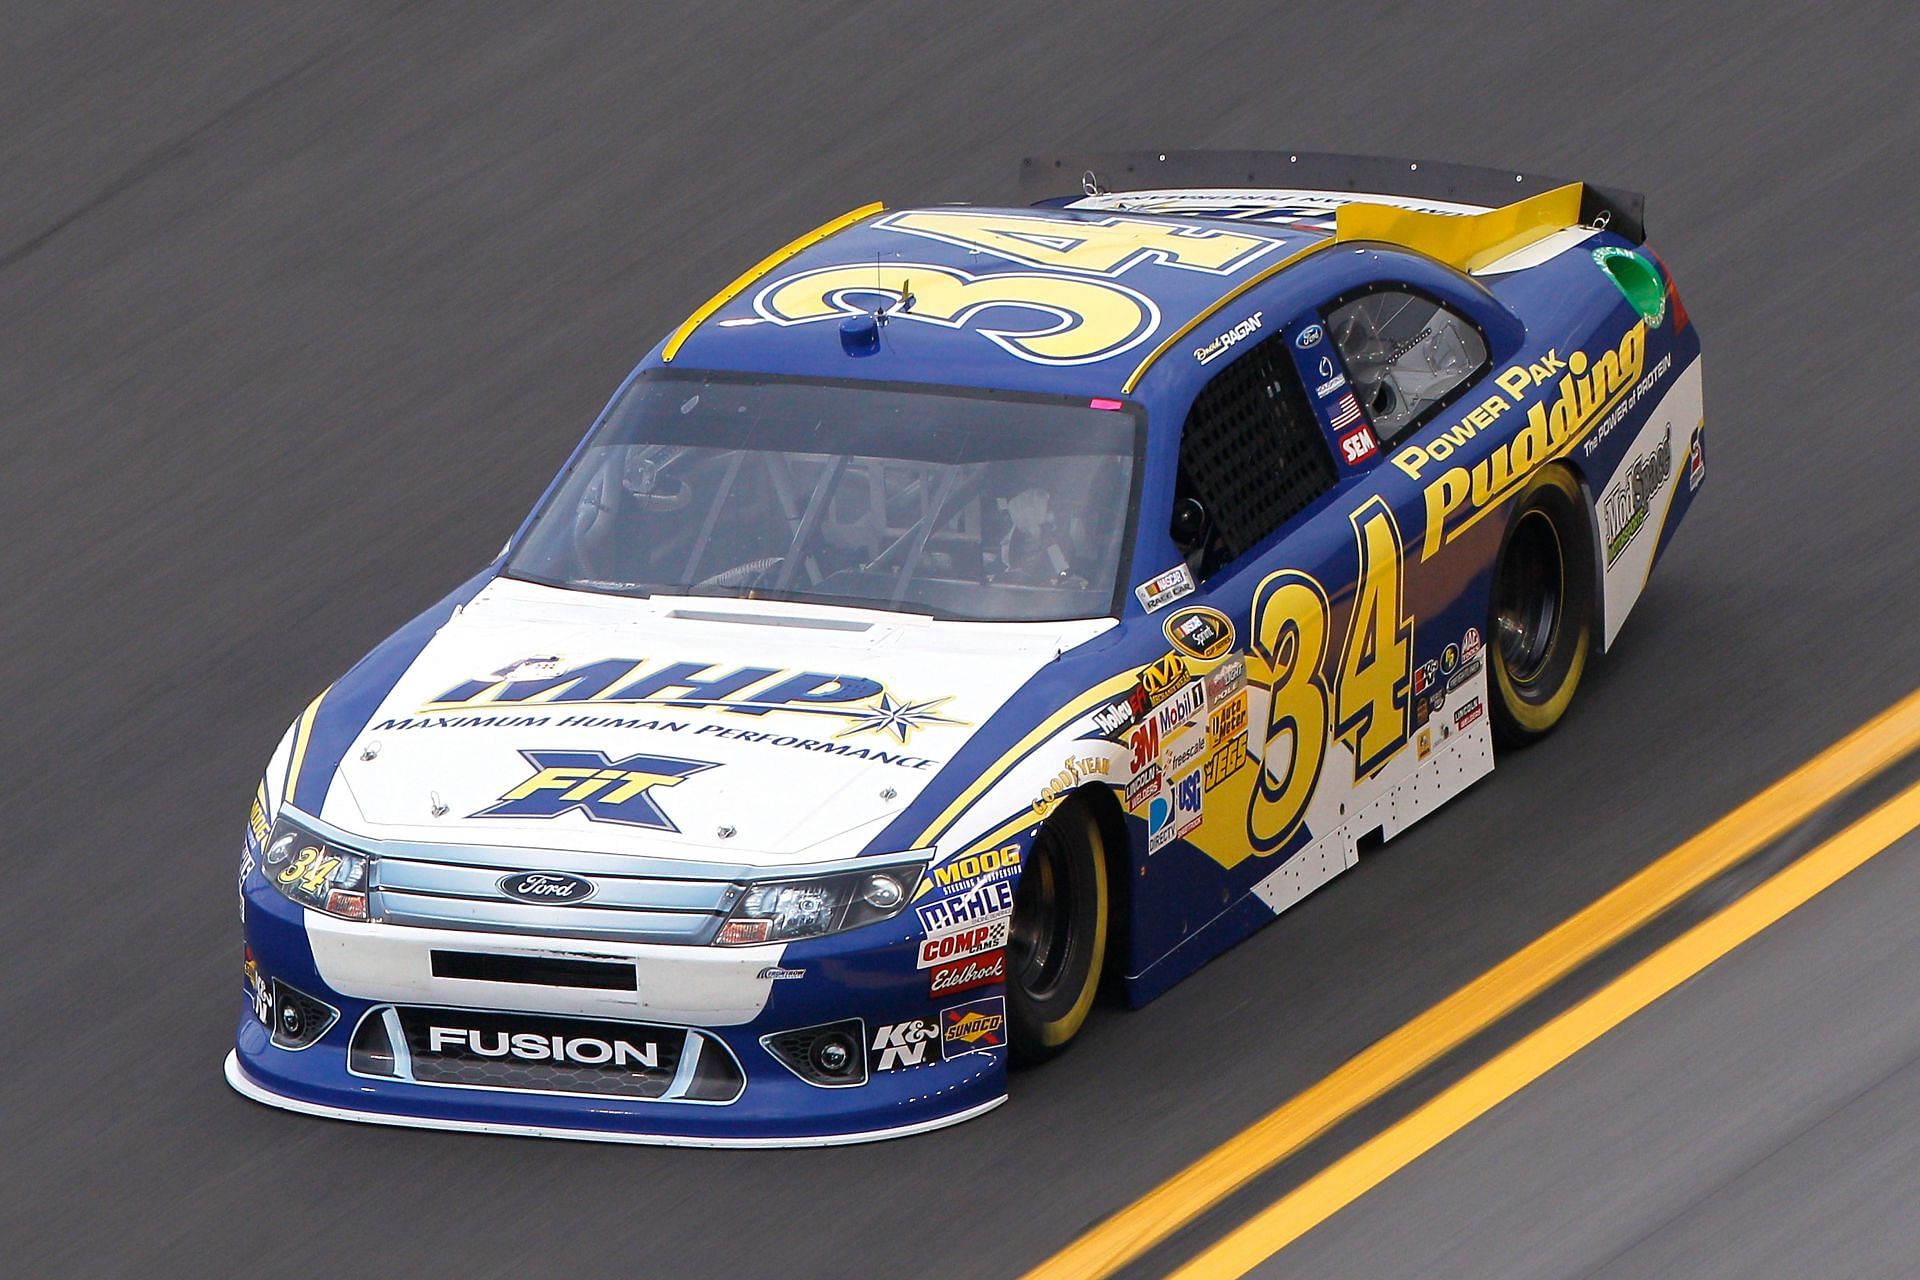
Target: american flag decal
[{"x": 1346, "y": 412}]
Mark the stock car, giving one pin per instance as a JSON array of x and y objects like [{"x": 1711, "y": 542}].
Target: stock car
[{"x": 965, "y": 610}]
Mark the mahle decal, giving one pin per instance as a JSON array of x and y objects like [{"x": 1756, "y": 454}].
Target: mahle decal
[{"x": 604, "y": 790}]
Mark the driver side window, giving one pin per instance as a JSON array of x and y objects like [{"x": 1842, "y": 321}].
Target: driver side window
[{"x": 1406, "y": 356}]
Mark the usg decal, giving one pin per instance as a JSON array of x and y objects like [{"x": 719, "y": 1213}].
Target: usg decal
[{"x": 604, "y": 790}]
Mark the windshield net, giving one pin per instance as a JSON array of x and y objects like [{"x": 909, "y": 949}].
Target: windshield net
[{"x": 953, "y": 504}]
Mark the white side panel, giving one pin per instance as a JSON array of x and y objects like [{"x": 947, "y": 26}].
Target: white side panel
[{"x": 1633, "y": 504}]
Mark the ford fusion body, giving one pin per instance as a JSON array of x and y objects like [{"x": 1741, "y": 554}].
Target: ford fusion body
[{"x": 964, "y": 605}]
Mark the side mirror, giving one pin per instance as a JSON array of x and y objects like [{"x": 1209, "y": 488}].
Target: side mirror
[{"x": 1189, "y": 527}]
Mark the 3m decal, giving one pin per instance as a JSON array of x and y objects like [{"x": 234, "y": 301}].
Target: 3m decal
[
  {"x": 863, "y": 705},
  {"x": 1623, "y": 511},
  {"x": 1042, "y": 318},
  {"x": 974, "y": 1027},
  {"x": 1201, "y": 633},
  {"x": 1589, "y": 389},
  {"x": 1102, "y": 246},
  {"x": 589, "y": 783}
]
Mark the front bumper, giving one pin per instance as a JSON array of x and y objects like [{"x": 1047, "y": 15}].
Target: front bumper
[{"x": 403, "y": 1037}]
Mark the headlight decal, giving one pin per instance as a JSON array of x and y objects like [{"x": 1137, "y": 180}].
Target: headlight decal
[
  {"x": 814, "y": 906},
  {"x": 315, "y": 873}
]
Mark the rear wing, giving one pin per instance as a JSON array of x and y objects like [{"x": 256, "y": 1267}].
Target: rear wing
[{"x": 1058, "y": 179}]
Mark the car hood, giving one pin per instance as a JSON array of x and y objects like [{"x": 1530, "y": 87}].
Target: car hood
[{"x": 700, "y": 729}]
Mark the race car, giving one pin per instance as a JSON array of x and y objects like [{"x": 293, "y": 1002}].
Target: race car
[{"x": 965, "y": 610}]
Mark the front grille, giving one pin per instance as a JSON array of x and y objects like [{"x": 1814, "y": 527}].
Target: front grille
[
  {"x": 627, "y": 908},
  {"x": 542, "y": 1054}
]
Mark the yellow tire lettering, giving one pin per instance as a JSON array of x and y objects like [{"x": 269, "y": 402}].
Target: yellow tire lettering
[
  {"x": 1376, "y": 663},
  {"x": 1106, "y": 247},
  {"x": 1289, "y": 645},
  {"x": 1045, "y": 319}
]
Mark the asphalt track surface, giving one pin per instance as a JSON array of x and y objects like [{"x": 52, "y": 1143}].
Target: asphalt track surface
[{"x": 300, "y": 305}]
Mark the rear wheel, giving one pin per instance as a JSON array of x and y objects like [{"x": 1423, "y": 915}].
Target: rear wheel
[
  {"x": 1058, "y": 940},
  {"x": 1541, "y": 622}
]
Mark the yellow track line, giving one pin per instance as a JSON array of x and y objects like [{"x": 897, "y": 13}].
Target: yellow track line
[
  {"x": 1499, "y": 991},
  {"x": 1378, "y": 1159}
]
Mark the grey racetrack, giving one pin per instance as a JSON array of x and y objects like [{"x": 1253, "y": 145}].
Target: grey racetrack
[{"x": 301, "y": 305}]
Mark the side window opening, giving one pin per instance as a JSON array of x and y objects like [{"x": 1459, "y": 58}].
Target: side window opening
[
  {"x": 1252, "y": 455},
  {"x": 1406, "y": 356}
]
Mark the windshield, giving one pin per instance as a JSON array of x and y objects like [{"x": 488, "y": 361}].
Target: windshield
[{"x": 948, "y": 503}]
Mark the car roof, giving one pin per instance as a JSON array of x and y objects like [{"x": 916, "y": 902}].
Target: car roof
[
  {"x": 1076, "y": 297},
  {"x": 1000, "y": 297}
]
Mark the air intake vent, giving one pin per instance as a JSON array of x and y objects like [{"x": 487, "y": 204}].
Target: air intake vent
[{"x": 538, "y": 971}]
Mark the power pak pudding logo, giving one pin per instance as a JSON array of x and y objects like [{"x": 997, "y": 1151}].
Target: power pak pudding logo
[{"x": 602, "y": 789}]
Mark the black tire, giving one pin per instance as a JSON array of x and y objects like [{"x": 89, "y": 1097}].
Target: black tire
[
  {"x": 1058, "y": 940},
  {"x": 1541, "y": 611}
]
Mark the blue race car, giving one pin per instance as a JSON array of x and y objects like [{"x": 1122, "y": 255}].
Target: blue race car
[{"x": 965, "y": 607}]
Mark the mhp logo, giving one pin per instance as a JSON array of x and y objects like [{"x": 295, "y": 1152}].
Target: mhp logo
[{"x": 602, "y": 789}]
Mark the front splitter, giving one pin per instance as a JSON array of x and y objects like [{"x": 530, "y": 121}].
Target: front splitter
[{"x": 250, "y": 1088}]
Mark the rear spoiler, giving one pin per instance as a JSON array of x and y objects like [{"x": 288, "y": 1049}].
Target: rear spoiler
[{"x": 1057, "y": 179}]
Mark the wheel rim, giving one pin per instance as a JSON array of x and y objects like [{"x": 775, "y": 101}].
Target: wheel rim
[
  {"x": 1527, "y": 597},
  {"x": 1042, "y": 918}
]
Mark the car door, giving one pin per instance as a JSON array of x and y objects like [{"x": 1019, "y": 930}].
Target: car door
[{"x": 1296, "y": 538}]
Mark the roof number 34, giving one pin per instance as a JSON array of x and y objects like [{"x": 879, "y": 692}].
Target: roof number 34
[{"x": 1070, "y": 311}]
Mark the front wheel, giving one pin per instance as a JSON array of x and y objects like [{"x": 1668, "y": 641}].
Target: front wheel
[
  {"x": 1541, "y": 622},
  {"x": 1058, "y": 940}
]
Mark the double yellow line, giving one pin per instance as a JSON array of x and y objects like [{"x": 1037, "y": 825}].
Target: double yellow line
[{"x": 1498, "y": 992}]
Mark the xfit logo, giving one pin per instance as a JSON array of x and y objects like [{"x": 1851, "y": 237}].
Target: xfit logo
[{"x": 602, "y": 789}]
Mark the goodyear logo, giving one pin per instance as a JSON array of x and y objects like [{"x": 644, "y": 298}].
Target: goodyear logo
[
  {"x": 1588, "y": 387},
  {"x": 604, "y": 790}
]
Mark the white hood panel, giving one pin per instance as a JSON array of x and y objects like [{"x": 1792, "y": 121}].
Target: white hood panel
[{"x": 813, "y": 728}]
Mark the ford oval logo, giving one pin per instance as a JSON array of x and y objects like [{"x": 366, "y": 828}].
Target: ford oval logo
[
  {"x": 1309, "y": 337},
  {"x": 546, "y": 886}
]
